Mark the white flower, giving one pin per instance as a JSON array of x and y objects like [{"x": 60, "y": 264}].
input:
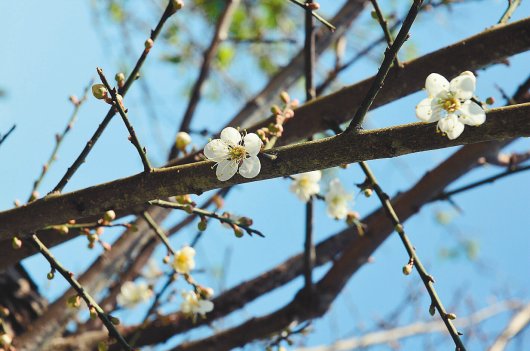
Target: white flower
[
  {"x": 193, "y": 305},
  {"x": 305, "y": 185},
  {"x": 151, "y": 271},
  {"x": 132, "y": 294},
  {"x": 450, "y": 104},
  {"x": 182, "y": 140},
  {"x": 337, "y": 200},
  {"x": 232, "y": 152},
  {"x": 184, "y": 260}
]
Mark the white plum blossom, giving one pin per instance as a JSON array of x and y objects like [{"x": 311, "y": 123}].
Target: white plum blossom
[
  {"x": 193, "y": 305},
  {"x": 184, "y": 260},
  {"x": 450, "y": 104},
  {"x": 232, "y": 153},
  {"x": 306, "y": 184},
  {"x": 132, "y": 294},
  {"x": 337, "y": 199}
]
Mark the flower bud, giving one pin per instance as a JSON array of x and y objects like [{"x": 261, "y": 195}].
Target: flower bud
[
  {"x": 120, "y": 77},
  {"x": 149, "y": 44},
  {"x": 5, "y": 341},
  {"x": 451, "y": 316},
  {"x": 313, "y": 6},
  {"x": 183, "y": 139},
  {"x": 202, "y": 225},
  {"x": 62, "y": 229},
  {"x": 176, "y": 5},
  {"x": 490, "y": 100},
  {"x": 16, "y": 242},
  {"x": 109, "y": 216},
  {"x": 50, "y": 275},
  {"x": 93, "y": 312},
  {"x": 407, "y": 269},
  {"x": 238, "y": 232},
  {"x": 367, "y": 192},
  {"x": 276, "y": 110},
  {"x": 166, "y": 259},
  {"x": 99, "y": 91},
  {"x": 285, "y": 97},
  {"x": 114, "y": 320},
  {"x": 432, "y": 309},
  {"x": 74, "y": 301}
]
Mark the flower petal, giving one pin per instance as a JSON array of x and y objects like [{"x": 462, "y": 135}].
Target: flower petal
[
  {"x": 231, "y": 136},
  {"x": 435, "y": 84},
  {"x": 216, "y": 150},
  {"x": 451, "y": 126},
  {"x": 472, "y": 114},
  {"x": 427, "y": 111},
  {"x": 250, "y": 167},
  {"x": 252, "y": 144},
  {"x": 463, "y": 86},
  {"x": 205, "y": 306},
  {"x": 226, "y": 170}
]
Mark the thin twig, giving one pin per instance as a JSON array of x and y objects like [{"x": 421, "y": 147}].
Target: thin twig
[
  {"x": 448, "y": 194},
  {"x": 159, "y": 232},
  {"x": 512, "y": 6},
  {"x": 118, "y": 103},
  {"x": 309, "y": 67},
  {"x": 379, "y": 79},
  {"x": 427, "y": 279},
  {"x": 384, "y": 25},
  {"x": 91, "y": 303},
  {"x": 169, "y": 11},
  {"x": 316, "y": 15},
  {"x": 59, "y": 139},
  {"x": 201, "y": 212},
  {"x": 4, "y": 137}
]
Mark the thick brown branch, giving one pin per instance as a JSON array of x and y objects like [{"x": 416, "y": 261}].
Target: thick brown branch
[
  {"x": 469, "y": 54},
  {"x": 503, "y": 123}
]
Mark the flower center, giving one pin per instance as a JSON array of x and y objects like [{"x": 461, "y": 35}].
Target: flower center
[
  {"x": 237, "y": 153},
  {"x": 450, "y": 104},
  {"x": 304, "y": 183}
]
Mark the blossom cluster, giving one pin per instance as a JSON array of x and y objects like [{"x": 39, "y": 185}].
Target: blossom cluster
[{"x": 306, "y": 185}]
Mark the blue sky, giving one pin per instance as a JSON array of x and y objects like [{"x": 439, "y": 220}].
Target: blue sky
[{"x": 51, "y": 51}]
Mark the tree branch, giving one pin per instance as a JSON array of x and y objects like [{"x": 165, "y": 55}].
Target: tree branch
[{"x": 503, "y": 123}]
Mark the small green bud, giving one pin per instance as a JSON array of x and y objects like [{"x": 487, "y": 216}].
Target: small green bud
[
  {"x": 490, "y": 100},
  {"x": 202, "y": 226},
  {"x": 120, "y": 77},
  {"x": 238, "y": 232},
  {"x": 99, "y": 91},
  {"x": 367, "y": 192},
  {"x": 62, "y": 229},
  {"x": 407, "y": 269},
  {"x": 114, "y": 320},
  {"x": 285, "y": 97},
  {"x": 93, "y": 313},
  {"x": 109, "y": 216},
  {"x": 16, "y": 242},
  {"x": 50, "y": 275}
]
